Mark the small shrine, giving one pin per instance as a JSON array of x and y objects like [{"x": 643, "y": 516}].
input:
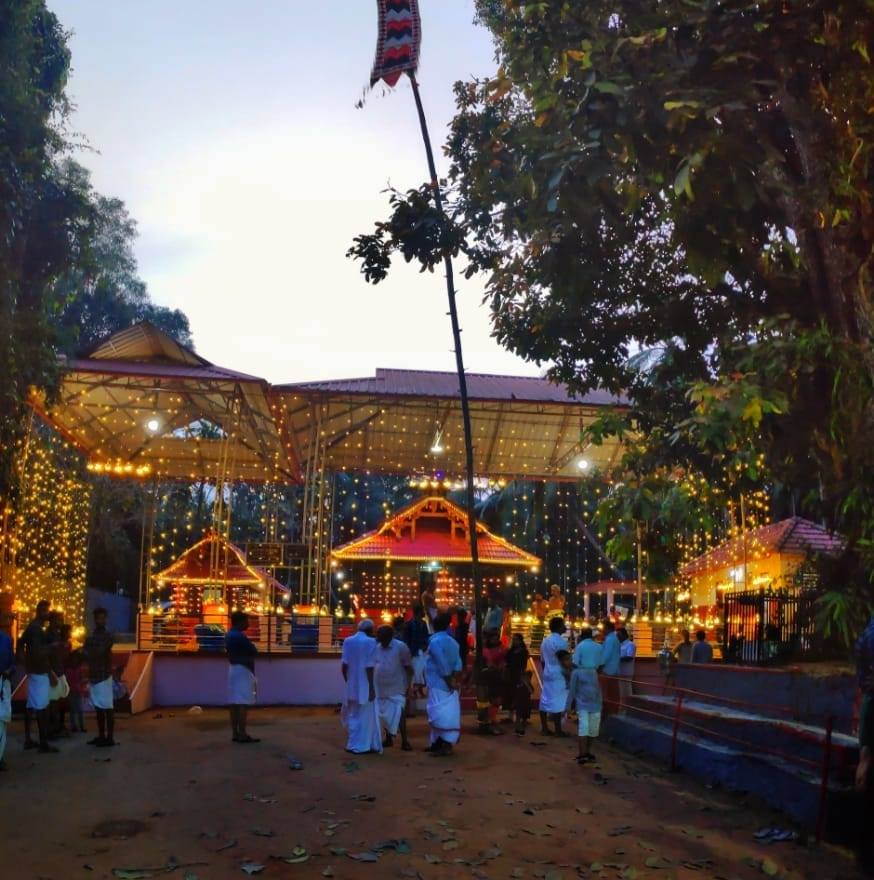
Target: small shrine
[{"x": 425, "y": 546}]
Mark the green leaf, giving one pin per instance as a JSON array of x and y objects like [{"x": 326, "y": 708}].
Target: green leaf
[{"x": 608, "y": 88}]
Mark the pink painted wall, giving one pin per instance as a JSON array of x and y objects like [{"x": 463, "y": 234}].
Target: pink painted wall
[{"x": 180, "y": 680}]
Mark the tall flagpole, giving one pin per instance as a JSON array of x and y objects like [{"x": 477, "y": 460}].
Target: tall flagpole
[{"x": 462, "y": 380}]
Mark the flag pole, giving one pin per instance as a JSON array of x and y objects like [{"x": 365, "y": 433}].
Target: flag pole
[{"x": 462, "y": 380}]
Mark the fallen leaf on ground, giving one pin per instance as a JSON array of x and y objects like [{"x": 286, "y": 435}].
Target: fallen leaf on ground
[
  {"x": 432, "y": 860},
  {"x": 295, "y": 857},
  {"x": 328, "y": 872},
  {"x": 131, "y": 873},
  {"x": 771, "y": 868},
  {"x": 351, "y": 767},
  {"x": 450, "y": 844},
  {"x": 618, "y": 831},
  {"x": 658, "y": 862},
  {"x": 251, "y": 868},
  {"x": 263, "y": 832}
]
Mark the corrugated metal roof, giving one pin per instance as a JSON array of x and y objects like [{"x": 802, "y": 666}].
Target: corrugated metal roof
[
  {"x": 793, "y": 535},
  {"x": 480, "y": 386},
  {"x": 156, "y": 369}
]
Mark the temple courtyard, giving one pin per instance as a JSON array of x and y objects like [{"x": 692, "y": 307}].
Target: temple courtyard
[{"x": 178, "y": 799}]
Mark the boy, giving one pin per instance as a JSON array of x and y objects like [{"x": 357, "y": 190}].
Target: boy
[
  {"x": 98, "y": 653},
  {"x": 585, "y": 691},
  {"x": 242, "y": 683}
]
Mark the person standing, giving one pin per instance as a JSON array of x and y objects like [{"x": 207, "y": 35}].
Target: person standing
[
  {"x": 702, "y": 650},
  {"x": 553, "y": 698},
  {"x": 516, "y": 663},
  {"x": 495, "y": 660},
  {"x": 611, "y": 659},
  {"x": 7, "y": 670},
  {"x": 98, "y": 653},
  {"x": 242, "y": 684},
  {"x": 76, "y": 684},
  {"x": 627, "y": 655},
  {"x": 394, "y": 675},
  {"x": 360, "y": 712},
  {"x": 60, "y": 645},
  {"x": 442, "y": 672},
  {"x": 33, "y": 646},
  {"x": 462, "y": 636},
  {"x": 416, "y": 635},
  {"x": 585, "y": 693},
  {"x": 683, "y": 651}
]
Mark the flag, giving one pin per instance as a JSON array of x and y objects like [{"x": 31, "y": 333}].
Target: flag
[{"x": 397, "y": 45}]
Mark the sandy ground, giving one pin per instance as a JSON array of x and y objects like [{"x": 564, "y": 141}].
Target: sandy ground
[{"x": 177, "y": 791}]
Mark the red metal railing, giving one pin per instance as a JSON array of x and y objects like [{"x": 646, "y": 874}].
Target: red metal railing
[{"x": 678, "y": 715}]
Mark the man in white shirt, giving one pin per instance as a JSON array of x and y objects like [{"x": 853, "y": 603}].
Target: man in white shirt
[
  {"x": 360, "y": 715},
  {"x": 394, "y": 675},
  {"x": 553, "y": 698}
]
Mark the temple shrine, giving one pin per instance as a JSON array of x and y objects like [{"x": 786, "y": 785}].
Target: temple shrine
[{"x": 425, "y": 547}]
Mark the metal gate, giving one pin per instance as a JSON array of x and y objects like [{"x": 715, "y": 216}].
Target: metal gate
[{"x": 769, "y": 627}]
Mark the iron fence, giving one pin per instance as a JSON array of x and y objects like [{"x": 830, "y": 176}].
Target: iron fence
[{"x": 763, "y": 627}]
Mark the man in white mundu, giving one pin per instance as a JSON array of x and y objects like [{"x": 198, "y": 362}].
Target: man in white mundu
[
  {"x": 553, "y": 699},
  {"x": 394, "y": 674},
  {"x": 360, "y": 715},
  {"x": 442, "y": 673}
]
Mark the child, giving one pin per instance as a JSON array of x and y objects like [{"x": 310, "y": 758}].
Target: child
[
  {"x": 585, "y": 691},
  {"x": 76, "y": 682},
  {"x": 241, "y": 676},
  {"x": 522, "y": 701},
  {"x": 517, "y": 663}
]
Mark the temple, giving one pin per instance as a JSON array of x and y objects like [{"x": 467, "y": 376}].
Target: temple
[{"x": 425, "y": 546}]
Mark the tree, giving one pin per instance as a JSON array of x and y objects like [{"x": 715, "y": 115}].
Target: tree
[
  {"x": 44, "y": 214},
  {"x": 104, "y": 293},
  {"x": 693, "y": 176}
]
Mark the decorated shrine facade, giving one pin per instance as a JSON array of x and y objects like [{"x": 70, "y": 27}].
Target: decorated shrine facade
[
  {"x": 211, "y": 579},
  {"x": 425, "y": 547},
  {"x": 773, "y": 557}
]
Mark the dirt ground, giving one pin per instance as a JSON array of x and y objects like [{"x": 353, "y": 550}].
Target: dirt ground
[{"x": 177, "y": 792}]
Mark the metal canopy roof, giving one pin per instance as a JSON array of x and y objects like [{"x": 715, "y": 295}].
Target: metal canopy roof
[
  {"x": 522, "y": 427},
  {"x": 131, "y": 404},
  {"x": 142, "y": 404}
]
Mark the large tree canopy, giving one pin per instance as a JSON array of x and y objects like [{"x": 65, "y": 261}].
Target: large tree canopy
[
  {"x": 692, "y": 178},
  {"x": 67, "y": 269}
]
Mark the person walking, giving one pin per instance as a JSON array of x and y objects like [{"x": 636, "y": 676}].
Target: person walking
[
  {"x": 360, "y": 714},
  {"x": 33, "y": 647},
  {"x": 553, "y": 698},
  {"x": 394, "y": 674},
  {"x": 98, "y": 653},
  {"x": 442, "y": 673},
  {"x": 242, "y": 684}
]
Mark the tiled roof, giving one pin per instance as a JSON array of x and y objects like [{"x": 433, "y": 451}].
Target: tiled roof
[
  {"x": 432, "y": 538},
  {"x": 194, "y": 565},
  {"x": 793, "y": 535},
  {"x": 480, "y": 386}
]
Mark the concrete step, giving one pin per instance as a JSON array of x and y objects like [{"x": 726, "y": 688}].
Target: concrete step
[
  {"x": 755, "y": 729},
  {"x": 792, "y": 788}
]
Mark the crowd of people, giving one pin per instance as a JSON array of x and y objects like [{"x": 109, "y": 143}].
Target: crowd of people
[
  {"x": 388, "y": 669},
  {"x": 61, "y": 679}
]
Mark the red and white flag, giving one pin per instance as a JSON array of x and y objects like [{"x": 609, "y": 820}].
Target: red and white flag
[{"x": 397, "y": 46}]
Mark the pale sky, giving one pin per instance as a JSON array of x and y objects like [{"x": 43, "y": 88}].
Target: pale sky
[{"x": 230, "y": 130}]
